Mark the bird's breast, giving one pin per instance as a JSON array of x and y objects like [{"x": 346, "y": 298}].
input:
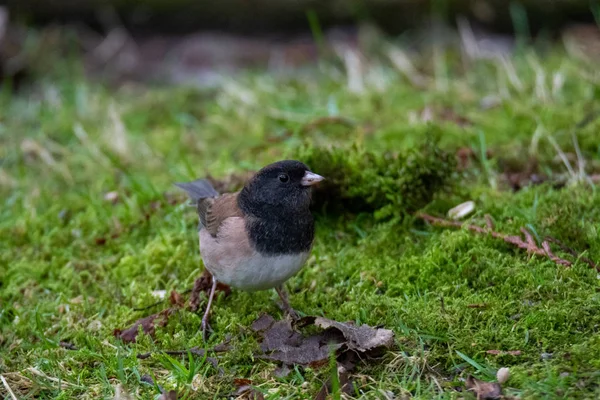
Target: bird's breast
[{"x": 233, "y": 260}]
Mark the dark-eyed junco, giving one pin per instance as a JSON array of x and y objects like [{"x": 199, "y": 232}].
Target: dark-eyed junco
[{"x": 257, "y": 238}]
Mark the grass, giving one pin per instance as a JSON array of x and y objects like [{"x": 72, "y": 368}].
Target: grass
[{"x": 74, "y": 266}]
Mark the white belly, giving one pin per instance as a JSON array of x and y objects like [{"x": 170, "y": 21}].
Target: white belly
[
  {"x": 233, "y": 262},
  {"x": 259, "y": 272}
]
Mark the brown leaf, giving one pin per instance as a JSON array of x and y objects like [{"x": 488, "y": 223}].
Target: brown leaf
[
  {"x": 170, "y": 395},
  {"x": 281, "y": 343},
  {"x": 362, "y": 338},
  {"x": 148, "y": 325},
  {"x": 264, "y": 322},
  {"x": 483, "y": 390},
  {"x": 248, "y": 392},
  {"x": 176, "y": 299},
  {"x": 242, "y": 382},
  {"x": 282, "y": 371},
  {"x": 204, "y": 284}
]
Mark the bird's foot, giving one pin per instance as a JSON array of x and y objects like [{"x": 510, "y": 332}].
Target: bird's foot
[
  {"x": 285, "y": 304},
  {"x": 205, "y": 328},
  {"x": 293, "y": 314}
]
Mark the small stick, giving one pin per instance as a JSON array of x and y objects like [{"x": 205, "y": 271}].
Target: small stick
[{"x": 528, "y": 244}]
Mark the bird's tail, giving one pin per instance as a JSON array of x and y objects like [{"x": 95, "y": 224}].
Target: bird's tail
[{"x": 198, "y": 189}]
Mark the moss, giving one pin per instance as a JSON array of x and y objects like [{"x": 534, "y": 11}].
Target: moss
[
  {"x": 74, "y": 266},
  {"x": 386, "y": 184}
]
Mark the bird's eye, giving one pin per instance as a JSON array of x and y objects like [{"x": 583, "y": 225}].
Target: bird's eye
[{"x": 284, "y": 178}]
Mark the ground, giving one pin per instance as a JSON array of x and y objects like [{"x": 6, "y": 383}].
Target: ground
[{"x": 92, "y": 228}]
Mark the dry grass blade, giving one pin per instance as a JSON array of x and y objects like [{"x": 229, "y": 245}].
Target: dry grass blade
[
  {"x": 63, "y": 384},
  {"x": 8, "y": 389}
]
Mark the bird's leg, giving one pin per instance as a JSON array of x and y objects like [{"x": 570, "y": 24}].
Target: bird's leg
[
  {"x": 207, "y": 312},
  {"x": 286, "y": 304}
]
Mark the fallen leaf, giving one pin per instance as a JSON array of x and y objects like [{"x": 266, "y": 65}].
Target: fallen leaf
[
  {"x": 241, "y": 382},
  {"x": 148, "y": 325},
  {"x": 281, "y": 343},
  {"x": 362, "y": 338},
  {"x": 204, "y": 284},
  {"x": 248, "y": 392},
  {"x": 282, "y": 371},
  {"x": 170, "y": 395},
  {"x": 176, "y": 299},
  {"x": 483, "y": 390}
]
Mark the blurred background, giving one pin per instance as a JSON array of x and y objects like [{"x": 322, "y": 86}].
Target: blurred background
[{"x": 197, "y": 41}]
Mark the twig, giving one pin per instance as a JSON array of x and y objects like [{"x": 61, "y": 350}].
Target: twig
[
  {"x": 527, "y": 243},
  {"x": 569, "y": 250},
  {"x": 8, "y": 389}
]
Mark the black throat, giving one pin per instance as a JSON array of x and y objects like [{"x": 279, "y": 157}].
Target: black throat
[{"x": 276, "y": 230}]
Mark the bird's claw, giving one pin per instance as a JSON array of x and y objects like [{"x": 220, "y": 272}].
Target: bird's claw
[
  {"x": 293, "y": 314},
  {"x": 205, "y": 327}
]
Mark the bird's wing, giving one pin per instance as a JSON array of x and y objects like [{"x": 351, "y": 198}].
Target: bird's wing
[{"x": 213, "y": 211}]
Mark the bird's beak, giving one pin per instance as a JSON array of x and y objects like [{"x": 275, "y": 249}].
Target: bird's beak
[{"x": 310, "y": 178}]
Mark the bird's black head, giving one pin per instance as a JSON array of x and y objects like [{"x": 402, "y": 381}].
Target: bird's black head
[{"x": 279, "y": 189}]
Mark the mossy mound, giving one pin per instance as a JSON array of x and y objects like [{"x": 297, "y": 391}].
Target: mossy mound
[{"x": 388, "y": 184}]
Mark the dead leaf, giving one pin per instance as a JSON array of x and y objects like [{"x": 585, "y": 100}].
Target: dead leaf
[
  {"x": 282, "y": 371},
  {"x": 362, "y": 338},
  {"x": 248, "y": 392},
  {"x": 170, "y": 395},
  {"x": 281, "y": 343},
  {"x": 176, "y": 299},
  {"x": 204, "y": 284},
  {"x": 242, "y": 382},
  {"x": 483, "y": 390},
  {"x": 148, "y": 325}
]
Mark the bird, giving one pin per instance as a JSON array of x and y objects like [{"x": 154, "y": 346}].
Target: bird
[{"x": 257, "y": 238}]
